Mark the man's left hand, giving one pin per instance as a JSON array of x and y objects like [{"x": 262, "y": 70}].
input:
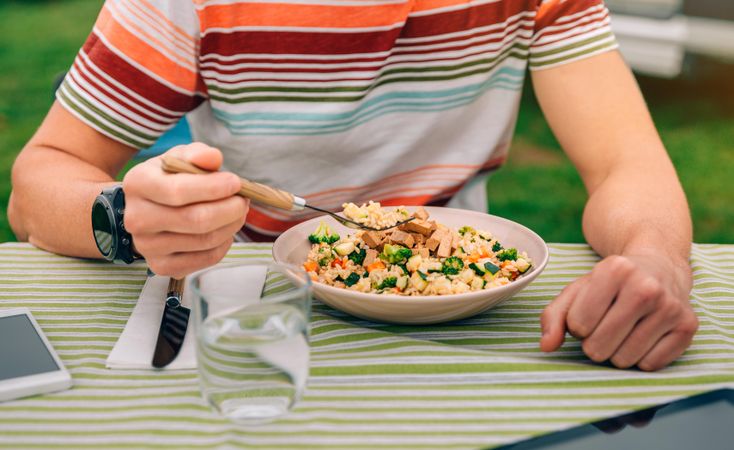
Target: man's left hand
[{"x": 630, "y": 310}]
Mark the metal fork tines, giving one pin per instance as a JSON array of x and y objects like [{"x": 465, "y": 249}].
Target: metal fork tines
[{"x": 354, "y": 224}]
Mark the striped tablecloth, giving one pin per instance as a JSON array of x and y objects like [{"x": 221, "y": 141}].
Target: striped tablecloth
[{"x": 476, "y": 383}]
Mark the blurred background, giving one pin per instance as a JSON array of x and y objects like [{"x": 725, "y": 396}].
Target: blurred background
[{"x": 681, "y": 50}]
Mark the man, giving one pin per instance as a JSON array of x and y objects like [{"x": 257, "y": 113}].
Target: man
[{"x": 399, "y": 101}]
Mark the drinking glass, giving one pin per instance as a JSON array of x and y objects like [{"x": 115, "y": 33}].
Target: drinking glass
[{"x": 251, "y": 323}]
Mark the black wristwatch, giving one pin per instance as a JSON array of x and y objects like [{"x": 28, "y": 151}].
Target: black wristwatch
[{"x": 108, "y": 212}]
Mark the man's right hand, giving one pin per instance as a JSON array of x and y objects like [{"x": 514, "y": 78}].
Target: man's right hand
[{"x": 182, "y": 223}]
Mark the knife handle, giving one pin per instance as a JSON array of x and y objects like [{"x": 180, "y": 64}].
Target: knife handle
[
  {"x": 250, "y": 189},
  {"x": 175, "y": 289}
]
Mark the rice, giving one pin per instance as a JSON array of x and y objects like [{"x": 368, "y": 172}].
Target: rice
[
  {"x": 373, "y": 215},
  {"x": 420, "y": 257}
]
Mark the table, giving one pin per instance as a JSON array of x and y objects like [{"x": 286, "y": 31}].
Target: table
[{"x": 476, "y": 383}]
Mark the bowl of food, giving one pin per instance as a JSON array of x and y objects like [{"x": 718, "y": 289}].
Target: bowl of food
[{"x": 445, "y": 264}]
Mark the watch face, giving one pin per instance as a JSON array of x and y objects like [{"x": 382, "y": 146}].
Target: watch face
[{"x": 102, "y": 227}]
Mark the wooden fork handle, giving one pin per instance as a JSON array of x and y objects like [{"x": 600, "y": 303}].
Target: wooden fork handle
[{"x": 255, "y": 191}]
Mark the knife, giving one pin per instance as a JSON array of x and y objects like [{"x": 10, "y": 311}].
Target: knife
[{"x": 174, "y": 322}]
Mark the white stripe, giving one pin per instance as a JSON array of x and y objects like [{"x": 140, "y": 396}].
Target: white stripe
[{"x": 285, "y": 29}]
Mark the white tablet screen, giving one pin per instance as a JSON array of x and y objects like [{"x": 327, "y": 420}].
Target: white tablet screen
[{"x": 22, "y": 351}]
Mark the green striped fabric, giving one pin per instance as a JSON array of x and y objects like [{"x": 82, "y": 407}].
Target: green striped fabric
[{"x": 476, "y": 383}]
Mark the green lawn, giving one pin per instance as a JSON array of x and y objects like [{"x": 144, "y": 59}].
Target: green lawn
[{"x": 538, "y": 187}]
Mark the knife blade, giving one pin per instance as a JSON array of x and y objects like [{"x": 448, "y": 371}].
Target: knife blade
[{"x": 174, "y": 322}]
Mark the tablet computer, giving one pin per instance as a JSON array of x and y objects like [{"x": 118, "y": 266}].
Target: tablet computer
[
  {"x": 701, "y": 421},
  {"x": 28, "y": 363}
]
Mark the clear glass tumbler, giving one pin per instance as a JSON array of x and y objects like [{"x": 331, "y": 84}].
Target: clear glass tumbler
[{"x": 251, "y": 323}]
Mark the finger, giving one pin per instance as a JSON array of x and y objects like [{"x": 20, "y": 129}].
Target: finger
[
  {"x": 179, "y": 265},
  {"x": 553, "y": 318},
  {"x": 166, "y": 243},
  {"x": 199, "y": 154},
  {"x": 642, "y": 418},
  {"x": 670, "y": 346},
  {"x": 594, "y": 301},
  {"x": 147, "y": 217},
  {"x": 610, "y": 426},
  {"x": 151, "y": 182},
  {"x": 644, "y": 336},
  {"x": 638, "y": 297}
]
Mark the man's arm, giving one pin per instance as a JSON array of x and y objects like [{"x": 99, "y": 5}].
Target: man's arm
[
  {"x": 180, "y": 223},
  {"x": 633, "y": 308},
  {"x": 55, "y": 180}
]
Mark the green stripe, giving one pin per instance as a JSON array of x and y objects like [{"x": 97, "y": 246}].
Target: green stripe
[
  {"x": 95, "y": 120},
  {"x": 516, "y": 50},
  {"x": 570, "y": 56},
  {"x": 356, "y": 98}
]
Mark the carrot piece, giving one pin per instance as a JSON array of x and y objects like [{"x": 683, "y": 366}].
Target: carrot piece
[
  {"x": 375, "y": 266},
  {"x": 474, "y": 257},
  {"x": 310, "y": 266}
]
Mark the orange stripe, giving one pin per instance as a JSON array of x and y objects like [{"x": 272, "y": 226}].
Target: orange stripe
[
  {"x": 545, "y": 9},
  {"x": 170, "y": 53},
  {"x": 145, "y": 55},
  {"x": 426, "y": 5},
  {"x": 300, "y": 15}
]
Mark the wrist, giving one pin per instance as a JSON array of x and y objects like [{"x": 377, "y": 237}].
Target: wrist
[
  {"x": 113, "y": 241},
  {"x": 676, "y": 265}
]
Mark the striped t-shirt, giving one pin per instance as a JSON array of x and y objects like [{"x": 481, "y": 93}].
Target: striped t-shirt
[{"x": 397, "y": 101}]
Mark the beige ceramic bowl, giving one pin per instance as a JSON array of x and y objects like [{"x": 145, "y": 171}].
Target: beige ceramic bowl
[{"x": 293, "y": 247}]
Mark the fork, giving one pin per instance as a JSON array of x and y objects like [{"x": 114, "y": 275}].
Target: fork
[{"x": 268, "y": 195}]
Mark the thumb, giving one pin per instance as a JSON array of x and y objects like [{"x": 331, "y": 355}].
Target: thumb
[
  {"x": 553, "y": 319},
  {"x": 199, "y": 154}
]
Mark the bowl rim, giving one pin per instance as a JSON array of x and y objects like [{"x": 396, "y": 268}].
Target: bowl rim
[{"x": 527, "y": 277}]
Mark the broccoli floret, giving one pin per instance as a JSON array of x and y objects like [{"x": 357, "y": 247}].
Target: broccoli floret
[
  {"x": 323, "y": 262},
  {"x": 452, "y": 265},
  {"x": 497, "y": 246},
  {"x": 395, "y": 253},
  {"x": 466, "y": 229},
  {"x": 323, "y": 234},
  {"x": 507, "y": 254},
  {"x": 388, "y": 282},
  {"x": 358, "y": 256},
  {"x": 352, "y": 279}
]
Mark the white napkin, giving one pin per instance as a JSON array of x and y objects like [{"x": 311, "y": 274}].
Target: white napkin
[{"x": 136, "y": 345}]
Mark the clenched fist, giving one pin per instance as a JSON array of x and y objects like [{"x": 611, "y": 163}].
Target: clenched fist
[{"x": 631, "y": 310}]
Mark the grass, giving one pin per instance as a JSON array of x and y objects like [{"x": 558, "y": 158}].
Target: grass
[
  {"x": 695, "y": 120},
  {"x": 40, "y": 40}
]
